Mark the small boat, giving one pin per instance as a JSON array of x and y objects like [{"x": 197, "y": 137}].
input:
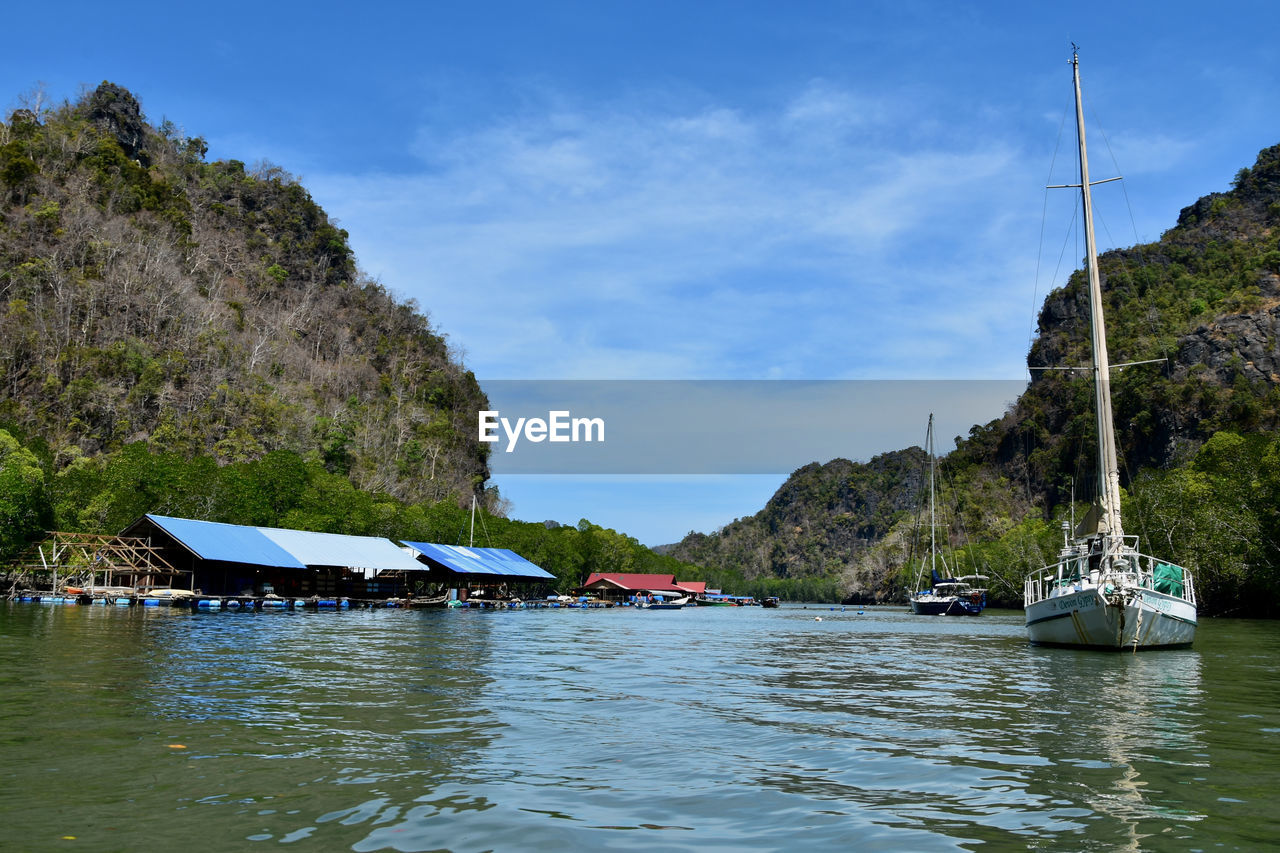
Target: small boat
[
  {"x": 437, "y": 600},
  {"x": 945, "y": 596},
  {"x": 1102, "y": 593},
  {"x": 169, "y": 594},
  {"x": 771, "y": 601},
  {"x": 722, "y": 600},
  {"x": 950, "y": 597},
  {"x": 657, "y": 601}
]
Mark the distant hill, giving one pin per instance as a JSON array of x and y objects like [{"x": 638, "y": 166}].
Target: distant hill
[
  {"x": 208, "y": 309},
  {"x": 1204, "y": 299},
  {"x": 819, "y": 523}
]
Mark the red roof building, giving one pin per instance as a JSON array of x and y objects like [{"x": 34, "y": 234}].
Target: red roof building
[{"x": 622, "y": 585}]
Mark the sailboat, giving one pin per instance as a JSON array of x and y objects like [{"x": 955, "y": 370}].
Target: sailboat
[
  {"x": 1102, "y": 592},
  {"x": 945, "y": 596}
]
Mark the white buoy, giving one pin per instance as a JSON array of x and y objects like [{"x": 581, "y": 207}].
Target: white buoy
[{"x": 817, "y": 619}]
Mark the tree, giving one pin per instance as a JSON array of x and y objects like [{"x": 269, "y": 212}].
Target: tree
[
  {"x": 24, "y": 504},
  {"x": 1206, "y": 516}
]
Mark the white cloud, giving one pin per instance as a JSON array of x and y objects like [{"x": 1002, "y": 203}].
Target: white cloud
[
  {"x": 826, "y": 111},
  {"x": 628, "y": 241}
]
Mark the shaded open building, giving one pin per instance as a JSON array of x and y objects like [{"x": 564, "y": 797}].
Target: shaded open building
[
  {"x": 490, "y": 572},
  {"x": 233, "y": 559}
]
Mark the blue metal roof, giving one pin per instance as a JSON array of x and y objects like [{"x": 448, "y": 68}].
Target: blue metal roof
[
  {"x": 481, "y": 561},
  {"x": 336, "y": 549},
  {"x": 233, "y": 543},
  {"x": 290, "y": 549}
]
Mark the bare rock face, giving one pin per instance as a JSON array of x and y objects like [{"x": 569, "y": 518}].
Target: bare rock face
[
  {"x": 1063, "y": 318},
  {"x": 116, "y": 111},
  {"x": 1235, "y": 344}
]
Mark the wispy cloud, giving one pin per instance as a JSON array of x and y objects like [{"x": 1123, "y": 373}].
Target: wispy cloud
[{"x": 820, "y": 237}]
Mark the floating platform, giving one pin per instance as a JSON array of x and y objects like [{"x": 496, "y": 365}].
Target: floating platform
[
  {"x": 250, "y": 603},
  {"x": 199, "y": 602}
]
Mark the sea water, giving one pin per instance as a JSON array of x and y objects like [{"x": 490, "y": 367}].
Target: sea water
[{"x": 800, "y": 728}]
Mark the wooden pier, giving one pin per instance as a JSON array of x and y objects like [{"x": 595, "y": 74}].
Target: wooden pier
[{"x": 64, "y": 561}]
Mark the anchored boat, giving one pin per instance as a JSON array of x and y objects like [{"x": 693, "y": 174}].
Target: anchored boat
[
  {"x": 1102, "y": 592},
  {"x": 945, "y": 596}
]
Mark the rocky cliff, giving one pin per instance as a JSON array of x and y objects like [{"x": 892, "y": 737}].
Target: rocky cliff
[{"x": 208, "y": 309}]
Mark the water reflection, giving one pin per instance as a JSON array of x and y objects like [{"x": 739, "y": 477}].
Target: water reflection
[
  {"x": 283, "y": 720},
  {"x": 975, "y": 736},
  {"x": 1126, "y": 734},
  {"x": 745, "y": 730}
]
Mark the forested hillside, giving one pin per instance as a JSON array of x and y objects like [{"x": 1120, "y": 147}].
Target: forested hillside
[
  {"x": 1197, "y": 429},
  {"x": 207, "y": 309},
  {"x": 1204, "y": 300}
]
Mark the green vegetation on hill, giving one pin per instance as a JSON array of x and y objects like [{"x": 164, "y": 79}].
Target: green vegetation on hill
[
  {"x": 1216, "y": 514},
  {"x": 1206, "y": 297},
  {"x": 1196, "y": 432},
  {"x": 208, "y": 309}
]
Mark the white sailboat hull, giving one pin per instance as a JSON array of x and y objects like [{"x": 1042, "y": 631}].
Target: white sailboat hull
[{"x": 1142, "y": 619}]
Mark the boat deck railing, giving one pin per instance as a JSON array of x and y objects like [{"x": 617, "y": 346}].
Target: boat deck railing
[{"x": 1140, "y": 572}]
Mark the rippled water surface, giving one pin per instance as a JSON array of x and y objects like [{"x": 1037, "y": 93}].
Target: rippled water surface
[{"x": 706, "y": 729}]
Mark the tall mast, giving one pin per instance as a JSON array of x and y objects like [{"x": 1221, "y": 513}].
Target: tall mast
[
  {"x": 933, "y": 550},
  {"x": 1108, "y": 468}
]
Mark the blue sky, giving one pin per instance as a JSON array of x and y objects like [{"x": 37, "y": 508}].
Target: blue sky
[{"x": 714, "y": 190}]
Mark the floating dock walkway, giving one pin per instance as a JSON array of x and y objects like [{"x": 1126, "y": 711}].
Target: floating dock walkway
[{"x": 278, "y": 603}]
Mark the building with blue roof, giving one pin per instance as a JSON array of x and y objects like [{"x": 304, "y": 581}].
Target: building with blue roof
[
  {"x": 234, "y": 559},
  {"x": 486, "y": 573},
  {"x": 458, "y": 563}
]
